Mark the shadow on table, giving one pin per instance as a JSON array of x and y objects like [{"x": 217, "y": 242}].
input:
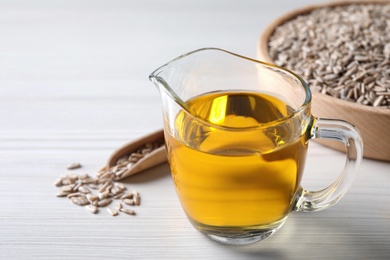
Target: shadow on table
[{"x": 321, "y": 236}]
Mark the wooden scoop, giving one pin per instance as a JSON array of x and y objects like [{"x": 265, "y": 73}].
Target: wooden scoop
[{"x": 148, "y": 160}]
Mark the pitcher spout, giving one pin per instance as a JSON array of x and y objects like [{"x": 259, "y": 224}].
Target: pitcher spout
[
  {"x": 163, "y": 81},
  {"x": 190, "y": 74}
]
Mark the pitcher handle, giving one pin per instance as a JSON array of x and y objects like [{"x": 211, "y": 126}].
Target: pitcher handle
[{"x": 347, "y": 134}]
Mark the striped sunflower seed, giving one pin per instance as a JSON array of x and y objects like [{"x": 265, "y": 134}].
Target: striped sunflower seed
[{"x": 127, "y": 211}]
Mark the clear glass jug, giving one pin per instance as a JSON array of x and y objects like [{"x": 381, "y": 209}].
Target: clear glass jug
[{"x": 236, "y": 133}]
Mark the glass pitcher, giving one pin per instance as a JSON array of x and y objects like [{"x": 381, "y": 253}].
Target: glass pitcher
[{"x": 237, "y": 133}]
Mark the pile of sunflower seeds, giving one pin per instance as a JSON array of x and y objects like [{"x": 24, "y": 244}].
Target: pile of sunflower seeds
[
  {"x": 341, "y": 51},
  {"x": 126, "y": 162},
  {"x": 97, "y": 192}
]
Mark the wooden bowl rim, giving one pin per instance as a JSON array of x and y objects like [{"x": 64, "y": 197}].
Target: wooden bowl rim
[{"x": 263, "y": 50}]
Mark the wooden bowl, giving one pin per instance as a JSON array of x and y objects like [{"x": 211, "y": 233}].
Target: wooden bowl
[{"x": 372, "y": 122}]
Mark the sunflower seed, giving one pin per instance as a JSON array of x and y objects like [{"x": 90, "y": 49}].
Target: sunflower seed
[
  {"x": 73, "y": 177},
  {"x": 146, "y": 151},
  {"x": 106, "y": 175},
  {"x": 137, "y": 155},
  {"x": 122, "y": 159},
  {"x": 103, "y": 195},
  {"x": 112, "y": 211},
  {"x": 104, "y": 202},
  {"x": 102, "y": 181},
  {"x": 92, "y": 209},
  {"x": 84, "y": 190},
  {"x": 114, "y": 191},
  {"x": 105, "y": 186},
  {"x": 68, "y": 188},
  {"x": 74, "y": 165},
  {"x": 117, "y": 197},
  {"x": 80, "y": 201},
  {"x": 120, "y": 186},
  {"x": 62, "y": 194},
  {"x": 378, "y": 101},
  {"x": 75, "y": 194},
  {"x": 128, "y": 211},
  {"x": 137, "y": 198},
  {"x": 93, "y": 186},
  {"x": 129, "y": 202},
  {"x": 83, "y": 176},
  {"x": 120, "y": 172},
  {"x": 58, "y": 182},
  {"x": 91, "y": 198},
  {"x": 77, "y": 186},
  {"x": 89, "y": 181},
  {"x": 127, "y": 196}
]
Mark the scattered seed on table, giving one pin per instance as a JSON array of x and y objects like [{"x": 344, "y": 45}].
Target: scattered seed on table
[
  {"x": 127, "y": 211},
  {"x": 112, "y": 211},
  {"x": 62, "y": 194},
  {"x": 129, "y": 202},
  {"x": 58, "y": 182},
  {"x": 74, "y": 166},
  {"x": 136, "y": 198},
  {"x": 101, "y": 190},
  {"x": 92, "y": 209}
]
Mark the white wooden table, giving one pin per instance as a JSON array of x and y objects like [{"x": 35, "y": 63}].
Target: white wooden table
[{"x": 74, "y": 87}]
